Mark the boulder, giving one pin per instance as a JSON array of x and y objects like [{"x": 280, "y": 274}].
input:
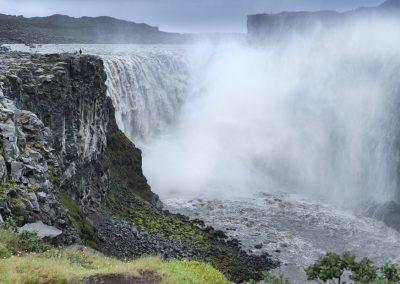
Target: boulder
[
  {"x": 16, "y": 171},
  {"x": 34, "y": 201},
  {"x": 43, "y": 230},
  {"x": 41, "y": 196}
]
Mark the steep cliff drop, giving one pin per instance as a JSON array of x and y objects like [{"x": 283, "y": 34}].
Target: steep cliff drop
[{"x": 67, "y": 164}]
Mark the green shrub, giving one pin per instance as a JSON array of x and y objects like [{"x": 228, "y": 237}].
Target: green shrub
[
  {"x": 365, "y": 271},
  {"x": 80, "y": 260},
  {"x": 268, "y": 279},
  {"x": 4, "y": 251},
  {"x": 8, "y": 224},
  {"x": 328, "y": 268},
  {"x": 391, "y": 272},
  {"x": 30, "y": 242}
]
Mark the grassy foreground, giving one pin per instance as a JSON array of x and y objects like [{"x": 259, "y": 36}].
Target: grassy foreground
[{"x": 21, "y": 264}]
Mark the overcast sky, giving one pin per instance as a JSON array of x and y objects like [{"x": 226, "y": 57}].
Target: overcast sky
[{"x": 176, "y": 15}]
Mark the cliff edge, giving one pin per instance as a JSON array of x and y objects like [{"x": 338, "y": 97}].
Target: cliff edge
[{"x": 66, "y": 165}]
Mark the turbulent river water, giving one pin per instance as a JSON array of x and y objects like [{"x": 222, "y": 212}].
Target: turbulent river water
[{"x": 282, "y": 149}]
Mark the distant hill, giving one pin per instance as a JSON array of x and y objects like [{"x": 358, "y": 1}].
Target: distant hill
[
  {"x": 264, "y": 26},
  {"x": 65, "y": 29}
]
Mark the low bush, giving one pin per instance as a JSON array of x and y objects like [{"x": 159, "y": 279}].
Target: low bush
[{"x": 331, "y": 267}]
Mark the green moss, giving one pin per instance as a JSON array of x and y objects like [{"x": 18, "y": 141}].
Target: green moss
[
  {"x": 166, "y": 224},
  {"x": 53, "y": 174},
  {"x": 208, "y": 242},
  {"x": 6, "y": 186},
  {"x": 23, "y": 119},
  {"x": 129, "y": 196},
  {"x": 36, "y": 146},
  {"x": 32, "y": 187},
  {"x": 54, "y": 180},
  {"x": 4, "y": 117},
  {"x": 126, "y": 167},
  {"x": 16, "y": 202},
  {"x": 85, "y": 229}
]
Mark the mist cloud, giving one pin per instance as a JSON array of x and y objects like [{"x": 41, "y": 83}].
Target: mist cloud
[{"x": 313, "y": 114}]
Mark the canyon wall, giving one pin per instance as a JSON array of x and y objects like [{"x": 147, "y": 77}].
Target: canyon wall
[{"x": 66, "y": 163}]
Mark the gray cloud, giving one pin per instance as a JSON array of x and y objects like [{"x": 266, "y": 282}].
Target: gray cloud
[{"x": 176, "y": 15}]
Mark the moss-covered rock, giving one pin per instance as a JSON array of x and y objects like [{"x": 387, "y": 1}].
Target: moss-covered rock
[
  {"x": 126, "y": 168},
  {"x": 85, "y": 229},
  {"x": 129, "y": 197}
]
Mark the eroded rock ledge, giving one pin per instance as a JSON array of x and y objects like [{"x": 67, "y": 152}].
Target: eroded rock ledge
[{"x": 65, "y": 162}]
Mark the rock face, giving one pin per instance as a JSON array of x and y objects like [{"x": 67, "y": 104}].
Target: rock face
[
  {"x": 68, "y": 95},
  {"x": 27, "y": 170},
  {"x": 64, "y": 29},
  {"x": 265, "y": 27},
  {"x": 65, "y": 163}
]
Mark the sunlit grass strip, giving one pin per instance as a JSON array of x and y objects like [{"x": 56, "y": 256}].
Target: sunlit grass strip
[{"x": 73, "y": 266}]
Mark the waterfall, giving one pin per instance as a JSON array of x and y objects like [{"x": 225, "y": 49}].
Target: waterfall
[
  {"x": 147, "y": 89},
  {"x": 314, "y": 114}
]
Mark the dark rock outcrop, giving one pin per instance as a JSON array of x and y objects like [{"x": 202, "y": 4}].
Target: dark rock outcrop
[
  {"x": 68, "y": 94},
  {"x": 65, "y": 29},
  {"x": 28, "y": 167},
  {"x": 97, "y": 190}
]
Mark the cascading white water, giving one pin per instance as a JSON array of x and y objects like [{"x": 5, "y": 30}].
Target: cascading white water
[
  {"x": 315, "y": 115},
  {"x": 148, "y": 84},
  {"x": 147, "y": 90}
]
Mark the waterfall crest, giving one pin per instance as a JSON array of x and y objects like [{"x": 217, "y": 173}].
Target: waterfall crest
[{"x": 147, "y": 90}]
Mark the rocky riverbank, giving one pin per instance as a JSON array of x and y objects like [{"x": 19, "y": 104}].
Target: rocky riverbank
[{"x": 65, "y": 163}]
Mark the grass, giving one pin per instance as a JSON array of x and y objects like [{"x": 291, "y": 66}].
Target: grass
[
  {"x": 60, "y": 266},
  {"x": 85, "y": 229},
  {"x": 76, "y": 266}
]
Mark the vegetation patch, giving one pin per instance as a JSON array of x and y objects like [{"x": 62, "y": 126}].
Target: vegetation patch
[
  {"x": 129, "y": 196},
  {"x": 85, "y": 229},
  {"x": 209, "y": 245},
  {"x": 45, "y": 265},
  {"x": 25, "y": 242},
  {"x": 331, "y": 267},
  {"x": 126, "y": 167},
  {"x": 6, "y": 186}
]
